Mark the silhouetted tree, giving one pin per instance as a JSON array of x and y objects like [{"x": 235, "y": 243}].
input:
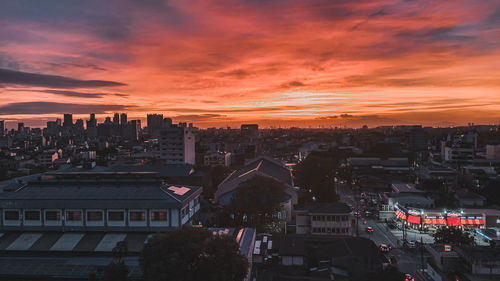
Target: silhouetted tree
[
  {"x": 390, "y": 273},
  {"x": 116, "y": 271},
  {"x": 189, "y": 254},
  {"x": 257, "y": 201},
  {"x": 315, "y": 175}
]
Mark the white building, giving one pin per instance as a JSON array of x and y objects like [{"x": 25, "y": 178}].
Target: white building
[
  {"x": 177, "y": 145},
  {"x": 323, "y": 219}
]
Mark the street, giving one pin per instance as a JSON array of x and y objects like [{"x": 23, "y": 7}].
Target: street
[{"x": 408, "y": 260}]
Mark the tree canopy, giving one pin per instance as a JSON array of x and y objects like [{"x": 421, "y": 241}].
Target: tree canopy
[
  {"x": 192, "y": 254},
  {"x": 316, "y": 174},
  {"x": 256, "y": 201},
  {"x": 390, "y": 273}
]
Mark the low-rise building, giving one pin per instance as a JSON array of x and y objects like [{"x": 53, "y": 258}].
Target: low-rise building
[
  {"x": 323, "y": 219},
  {"x": 98, "y": 202}
]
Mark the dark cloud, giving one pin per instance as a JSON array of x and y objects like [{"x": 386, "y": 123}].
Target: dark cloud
[
  {"x": 82, "y": 94},
  {"x": 237, "y": 73},
  {"x": 52, "y": 81},
  {"x": 55, "y": 107},
  {"x": 292, "y": 84},
  {"x": 72, "y": 65},
  {"x": 380, "y": 12},
  {"x": 198, "y": 117}
]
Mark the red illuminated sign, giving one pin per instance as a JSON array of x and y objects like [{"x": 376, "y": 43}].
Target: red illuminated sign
[
  {"x": 453, "y": 221},
  {"x": 400, "y": 215},
  {"x": 413, "y": 219}
]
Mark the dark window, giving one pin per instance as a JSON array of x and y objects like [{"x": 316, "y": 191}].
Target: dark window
[
  {"x": 137, "y": 216},
  {"x": 94, "y": 216},
  {"x": 12, "y": 215},
  {"x": 116, "y": 216},
  {"x": 159, "y": 216},
  {"x": 73, "y": 215},
  {"x": 52, "y": 215},
  {"x": 32, "y": 215}
]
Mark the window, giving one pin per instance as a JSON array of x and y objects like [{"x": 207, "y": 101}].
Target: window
[
  {"x": 32, "y": 215},
  {"x": 159, "y": 216},
  {"x": 73, "y": 215},
  {"x": 116, "y": 216},
  {"x": 52, "y": 215},
  {"x": 137, "y": 216},
  {"x": 11, "y": 215},
  {"x": 94, "y": 215}
]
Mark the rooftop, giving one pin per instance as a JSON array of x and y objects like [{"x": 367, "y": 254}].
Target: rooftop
[{"x": 324, "y": 208}]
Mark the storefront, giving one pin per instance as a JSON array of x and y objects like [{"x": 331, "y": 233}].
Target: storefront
[{"x": 424, "y": 219}]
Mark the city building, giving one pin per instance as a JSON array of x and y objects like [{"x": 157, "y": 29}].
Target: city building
[
  {"x": 263, "y": 166},
  {"x": 250, "y": 130},
  {"x": 177, "y": 145},
  {"x": 323, "y": 219},
  {"x": 215, "y": 158},
  {"x": 98, "y": 201},
  {"x": 155, "y": 124},
  {"x": 492, "y": 151}
]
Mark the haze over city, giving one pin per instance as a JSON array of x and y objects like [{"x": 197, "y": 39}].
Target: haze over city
[{"x": 276, "y": 63}]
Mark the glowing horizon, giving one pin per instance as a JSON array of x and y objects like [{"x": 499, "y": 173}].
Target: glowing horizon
[{"x": 276, "y": 63}]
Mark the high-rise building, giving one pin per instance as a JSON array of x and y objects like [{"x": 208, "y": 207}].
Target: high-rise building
[
  {"x": 20, "y": 127},
  {"x": 116, "y": 119},
  {"x": 177, "y": 145},
  {"x": 53, "y": 128},
  {"x": 123, "y": 119},
  {"x": 2, "y": 127},
  {"x": 131, "y": 130},
  {"x": 68, "y": 121},
  {"x": 250, "y": 130},
  {"x": 155, "y": 124}
]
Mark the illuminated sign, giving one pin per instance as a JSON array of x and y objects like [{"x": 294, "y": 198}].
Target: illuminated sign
[
  {"x": 414, "y": 219},
  {"x": 413, "y": 212},
  {"x": 453, "y": 221},
  {"x": 447, "y": 248},
  {"x": 400, "y": 215}
]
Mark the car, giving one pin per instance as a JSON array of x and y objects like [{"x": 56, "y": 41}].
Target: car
[
  {"x": 408, "y": 277},
  {"x": 385, "y": 247},
  {"x": 369, "y": 229}
]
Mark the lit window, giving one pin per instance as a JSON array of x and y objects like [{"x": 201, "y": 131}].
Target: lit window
[
  {"x": 11, "y": 215},
  {"x": 159, "y": 216},
  {"x": 32, "y": 215},
  {"x": 73, "y": 215},
  {"x": 52, "y": 215},
  {"x": 137, "y": 216},
  {"x": 94, "y": 216}
]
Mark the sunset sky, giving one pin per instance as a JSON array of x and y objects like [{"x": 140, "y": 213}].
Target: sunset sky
[{"x": 278, "y": 63}]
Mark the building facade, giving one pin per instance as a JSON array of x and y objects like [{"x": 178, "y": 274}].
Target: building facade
[
  {"x": 177, "y": 145},
  {"x": 324, "y": 219}
]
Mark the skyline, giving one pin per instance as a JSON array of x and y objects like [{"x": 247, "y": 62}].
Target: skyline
[{"x": 276, "y": 63}]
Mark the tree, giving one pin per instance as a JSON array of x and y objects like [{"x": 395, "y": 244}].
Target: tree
[
  {"x": 256, "y": 202},
  {"x": 452, "y": 236},
  {"x": 192, "y": 254},
  {"x": 316, "y": 175},
  {"x": 115, "y": 271},
  {"x": 217, "y": 175}
]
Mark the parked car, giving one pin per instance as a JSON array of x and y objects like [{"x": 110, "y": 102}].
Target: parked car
[{"x": 369, "y": 229}]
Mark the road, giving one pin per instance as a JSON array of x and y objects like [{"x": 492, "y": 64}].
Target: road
[{"x": 408, "y": 260}]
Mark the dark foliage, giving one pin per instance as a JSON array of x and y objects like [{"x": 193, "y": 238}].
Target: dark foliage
[{"x": 192, "y": 254}]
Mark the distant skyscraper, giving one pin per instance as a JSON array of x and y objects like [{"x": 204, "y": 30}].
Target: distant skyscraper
[
  {"x": 2, "y": 127},
  {"x": 177, "y": 145},
  {"x": 68, "y": 121},
  {"x": 20, "y": 127},
  {"x": 79, "y": 125},
  {"x": 123, "y": 119},
  {"x": 116, "y": 119},
  {"x": 155, "y": 124},
  {"x": 167, "y": 122}
]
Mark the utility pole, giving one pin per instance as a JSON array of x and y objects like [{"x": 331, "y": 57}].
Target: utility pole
[{"x": 422, "y": 253}]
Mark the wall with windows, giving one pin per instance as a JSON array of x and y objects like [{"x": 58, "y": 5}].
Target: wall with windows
[
  {"x": 82, "y": 219},
  {"x": 324, "y": 224}
]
